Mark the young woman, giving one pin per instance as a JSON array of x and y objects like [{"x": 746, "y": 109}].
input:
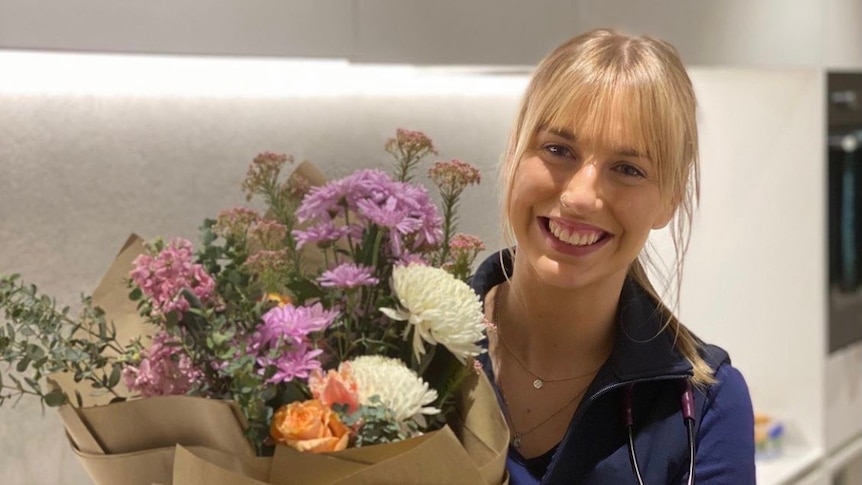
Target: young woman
[{"x": 599, "y": 381}]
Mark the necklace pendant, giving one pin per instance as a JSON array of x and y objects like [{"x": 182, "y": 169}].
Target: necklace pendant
[
  {"x": 517, "y": 441},
  {"x": 538, "y": 383}
]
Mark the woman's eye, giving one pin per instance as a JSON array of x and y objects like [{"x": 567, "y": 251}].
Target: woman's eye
[
  {"x": 630, "y": 170},
  {"x": 557, "y": 150}
]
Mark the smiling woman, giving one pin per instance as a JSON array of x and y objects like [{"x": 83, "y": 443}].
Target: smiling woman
[{"x": 604, "y": 150}]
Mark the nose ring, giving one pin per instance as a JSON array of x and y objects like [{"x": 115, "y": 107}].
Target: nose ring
[{"x": 564, "y": 200}]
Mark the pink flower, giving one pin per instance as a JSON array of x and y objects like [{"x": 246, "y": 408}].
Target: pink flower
[
  {"x": 348, "y": 275},
  {"x": 165, "y": 369},
  {"x": 410, "y": 144},
  {"x": 163, "y": 278},
  {"x": 407, "y": 259},
  {"x": 324, "y": 233},
  {"x": 234, "y": 223},
  {"x": 282, "y": 342},
  {"x": 454, "y": 176},
  {"x": 371, "y": 197},
  {"x": 335, "y": 387},
  {"x": 466, "y": 243},
  {"x": 293, "y": 364},
  {"x": 263, "y": 172},
  {"x": 263, "y": 261},
  {"x": 293, "y": 323},
  {"x": 266, "y": 235}
]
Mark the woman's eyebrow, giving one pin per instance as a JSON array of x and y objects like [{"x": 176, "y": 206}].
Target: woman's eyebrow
[
  {"x": 562, "y": 132},
  {"x": 621, "y": 151},
  {"x": 629, "y": 152}
]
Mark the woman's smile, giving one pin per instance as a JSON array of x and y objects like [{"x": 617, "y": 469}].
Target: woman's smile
[{"x": 576, "y": 239}]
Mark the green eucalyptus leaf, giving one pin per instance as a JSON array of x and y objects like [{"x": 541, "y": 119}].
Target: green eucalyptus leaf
[
  {"x": 34, "y": 386},
  {"x": 34, "y": 352},
  {"x": 55, "y": 398},
  {"x": 115, "y": 377}
]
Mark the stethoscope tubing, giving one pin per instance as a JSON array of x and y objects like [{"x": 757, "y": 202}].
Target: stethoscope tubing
[{"x": 687, "y": 409}]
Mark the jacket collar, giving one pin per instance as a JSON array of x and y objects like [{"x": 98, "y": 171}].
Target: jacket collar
[{"x": 643, "y": 349}]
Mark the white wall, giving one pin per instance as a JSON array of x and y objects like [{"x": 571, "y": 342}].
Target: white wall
[
  {"x": 756, "y": 272},
  {"x": 81, "y": 170}
]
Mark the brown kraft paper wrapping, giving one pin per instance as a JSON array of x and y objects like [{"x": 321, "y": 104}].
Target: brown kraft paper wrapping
[{"x": 434, "y": 458}]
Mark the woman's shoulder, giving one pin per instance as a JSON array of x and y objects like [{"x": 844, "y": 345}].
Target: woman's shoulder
[
  {"x": 725, "y": 435},
  {"x": 491, "y": 272},
  {"x": 713, "y": 355},
  {"x": 729, "y": 381}
]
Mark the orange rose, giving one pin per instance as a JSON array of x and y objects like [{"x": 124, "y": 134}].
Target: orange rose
[{"x": 309, "y": 426}]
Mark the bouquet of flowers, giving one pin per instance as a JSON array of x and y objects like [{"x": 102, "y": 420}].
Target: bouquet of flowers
[{"x": 335, "y": 320}]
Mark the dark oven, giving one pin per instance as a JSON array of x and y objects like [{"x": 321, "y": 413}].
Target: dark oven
[{"x": 844, "y": 115}]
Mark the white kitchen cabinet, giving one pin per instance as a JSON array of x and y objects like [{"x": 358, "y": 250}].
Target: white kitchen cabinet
[
  {"x": 462, "y": 32},
  {"x": 766, "y": 33},
  {"x": 817, "y": 477},
  {"x": 305, "y": 28}
]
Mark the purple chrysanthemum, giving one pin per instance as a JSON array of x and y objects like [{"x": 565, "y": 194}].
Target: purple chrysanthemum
[
  {"x": 322, "y": 201},
  {"x": 372, "y": 197},
  {"x": 325, "y": 232},
  {"x": 282, "y": 341},
  {"x": 292, "y": 324},
  {"x": 348, "y": 275},
  {"x": 293, "y": 364}
]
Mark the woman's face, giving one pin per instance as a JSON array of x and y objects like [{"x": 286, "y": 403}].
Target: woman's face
[{"x": 581, "y": 209}]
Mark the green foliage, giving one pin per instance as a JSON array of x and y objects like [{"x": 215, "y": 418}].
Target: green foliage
[
  {"x": 38, "y": 339},
  {"x": 375, "y": 424}
]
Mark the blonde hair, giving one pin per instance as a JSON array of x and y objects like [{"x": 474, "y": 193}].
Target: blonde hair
[{"x": 584, "y": 86}]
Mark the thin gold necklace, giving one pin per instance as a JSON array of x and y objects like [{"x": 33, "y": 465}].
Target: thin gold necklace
[
  {"x": 519, "y": 435},
  {"x": 538, "y": 381}
]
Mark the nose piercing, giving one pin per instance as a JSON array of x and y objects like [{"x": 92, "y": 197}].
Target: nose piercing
[{"x": 564, "y": 200}]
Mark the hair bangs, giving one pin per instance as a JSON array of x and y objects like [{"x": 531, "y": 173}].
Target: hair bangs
[{"x": 610, "y": 113}]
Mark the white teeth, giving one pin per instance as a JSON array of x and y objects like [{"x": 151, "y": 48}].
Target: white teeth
[{"x": 573, "y": 238}]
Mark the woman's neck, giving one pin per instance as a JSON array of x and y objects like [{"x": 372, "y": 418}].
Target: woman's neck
[{"x": 548, "y": 325}]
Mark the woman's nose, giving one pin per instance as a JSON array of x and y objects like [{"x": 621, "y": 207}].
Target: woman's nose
[{"x": 581, "y": 194}]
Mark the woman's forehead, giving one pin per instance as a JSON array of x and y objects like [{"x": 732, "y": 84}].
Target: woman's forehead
[
  {"x": 597, "y": 111},
  {"x": 614, "y": 134}
]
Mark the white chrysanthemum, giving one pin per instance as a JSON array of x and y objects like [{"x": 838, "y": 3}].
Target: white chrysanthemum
[
  {"x": 442, "y": 308},
  {"x": 397, "y": 387}
]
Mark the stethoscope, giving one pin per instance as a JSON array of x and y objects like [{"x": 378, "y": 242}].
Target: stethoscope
[{"x": 687, "y": 408}]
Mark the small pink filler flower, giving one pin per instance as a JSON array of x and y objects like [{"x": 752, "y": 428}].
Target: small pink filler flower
[
  {"x": 165, "y": 369},
  {"x": 163, "y": 277}
]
